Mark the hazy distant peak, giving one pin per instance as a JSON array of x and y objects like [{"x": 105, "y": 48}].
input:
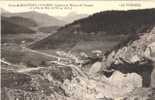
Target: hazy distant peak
[
  {"x": 41, "y": 19},
  {"x": 4, "y": 11},
  {"x": 75, "y": 14},
  {"x": 72, "y": 16}
]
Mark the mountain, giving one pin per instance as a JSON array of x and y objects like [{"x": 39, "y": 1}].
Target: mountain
[
  {"x": 3, "y": 11},
  {"x": 20, "y": 27},
  {"x": 22, "y": 21},
  {"x": 39, "y": 18},
  {"x": 104, "y": 30},
  {"x": 16, "y": 25},
  {"x": 72, "y": 17},
  {"x": 49, "y": 29},
  {"x": 126, "y": 71}
]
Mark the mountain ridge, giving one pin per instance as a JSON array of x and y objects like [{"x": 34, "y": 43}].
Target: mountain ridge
[
  {"x": 40, "y": 18},
  {"x": 109, "y": 27},
  {"x": 72, "y": 16},
  {"x": 9, "y": 26}
]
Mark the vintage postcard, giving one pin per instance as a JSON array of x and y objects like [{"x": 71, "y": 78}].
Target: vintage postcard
[{"x": 77, "y": 49}]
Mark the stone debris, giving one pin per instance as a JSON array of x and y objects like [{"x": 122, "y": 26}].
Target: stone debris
[
  {"x": 140, "y": 94},
  {"x": 114, "y": 87},
  {"x": 126, "y": 82}
]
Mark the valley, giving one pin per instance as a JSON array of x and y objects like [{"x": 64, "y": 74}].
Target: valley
[{"x": 106, "y": 56}]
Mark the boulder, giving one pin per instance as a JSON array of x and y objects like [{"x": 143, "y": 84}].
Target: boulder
[
  {"x": 95, "y": 68},
  {"x": 126, "y": 82}
]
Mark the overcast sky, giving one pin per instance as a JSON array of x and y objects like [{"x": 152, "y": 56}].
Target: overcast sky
[{"x": 87, "y": 7}]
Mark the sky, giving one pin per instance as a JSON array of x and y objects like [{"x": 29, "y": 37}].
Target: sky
[{"x": 63, "y": 8}]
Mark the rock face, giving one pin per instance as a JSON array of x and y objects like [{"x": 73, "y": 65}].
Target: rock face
[
  {"x": 126, "y": 81},
  {"x": 136, "y": 56},
  {"x": 134, "y": 49},
  {"x": 116, "y": 86},
  {"x": 150, "y": 54},
  {"x": 153, "y": 78}
]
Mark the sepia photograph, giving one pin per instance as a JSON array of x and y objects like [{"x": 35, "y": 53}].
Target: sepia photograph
[{"x": 77, "y": 50}]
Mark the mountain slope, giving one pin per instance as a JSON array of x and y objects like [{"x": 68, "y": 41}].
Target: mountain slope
[
  {"x": 103, "y": 30},
  {"x": 50, "y": 29},
  {"x": 39, "y": 18},
  {"x": 22, "y": 21},
  {"x": 13, "y": 27}
]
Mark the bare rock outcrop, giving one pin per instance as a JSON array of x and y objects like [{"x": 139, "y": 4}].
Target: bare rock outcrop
[
  {"x": 126, "y": 81},
  {"x": 136, "y": 56}
]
